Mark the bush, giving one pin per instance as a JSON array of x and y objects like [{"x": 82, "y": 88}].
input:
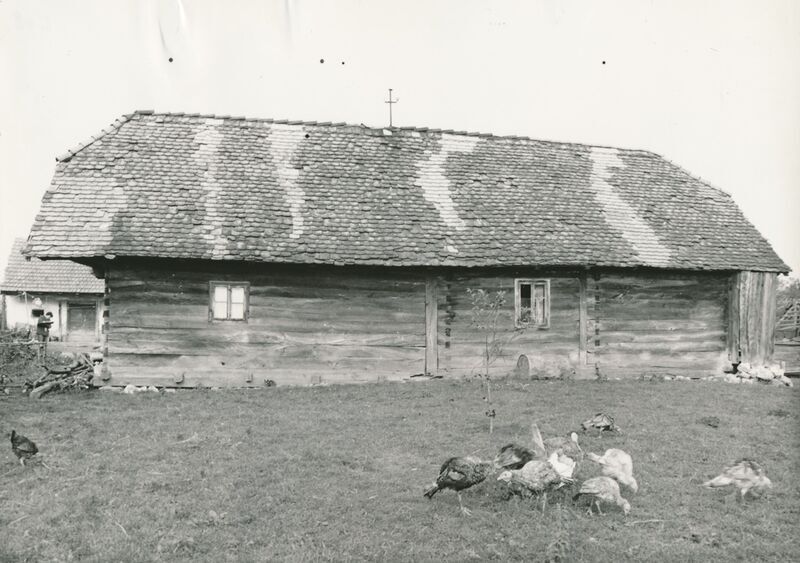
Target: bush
[{"x": 18, "y": 358}]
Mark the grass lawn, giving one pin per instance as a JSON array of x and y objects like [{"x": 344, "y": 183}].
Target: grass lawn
[{"x": 337, "y": 473}]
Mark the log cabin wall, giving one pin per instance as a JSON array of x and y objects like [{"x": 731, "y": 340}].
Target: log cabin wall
[
  {"x": 304, "y": 325},
  {"x": 548, "y": 352},
  {"x": 346, "y": 324},
  {"x": 660, "y": 323}
]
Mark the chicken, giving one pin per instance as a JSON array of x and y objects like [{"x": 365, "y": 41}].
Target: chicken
[
  {"x": 459, "y": 473},
  {"x": 536, "y": 477},
  {"x": 22, "y": 447},
  {"x": 601, "y": 422},
  {"x": 618, "y": 465},
  {"x": 747, "y": 475},
  {"x": 603, "y": 489},
  {"x": 513, "y": 456}
]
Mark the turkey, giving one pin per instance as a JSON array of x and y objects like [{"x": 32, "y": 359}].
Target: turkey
[
  {"x": 459, "y": 473},
  {"x": 558, "y": 444},
  {"x": 564, "y": 445},
  {"x": 513, "y": 456},
  {"x": 602, "y": 422},
  {"x": 563, "y": 464},
  {"x": 603, "y": 489},
  {"x": 745, "y": 474},
  {"x": 536, "y": 477},
  {"x": 22, "y": 447},
  {"x": 618, "y": 465}
]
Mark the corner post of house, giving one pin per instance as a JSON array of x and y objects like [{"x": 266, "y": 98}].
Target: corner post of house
[
  {"x": 734, "y": 317},
  {"x": 583, "y": 315},
  {"x": 431, "y": 326},
  {"x": 751, "y": 325},
  {"x": 106, "y": 372}
]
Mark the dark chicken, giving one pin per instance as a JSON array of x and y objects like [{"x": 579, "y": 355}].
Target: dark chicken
[{"x": 22, "y": 447}]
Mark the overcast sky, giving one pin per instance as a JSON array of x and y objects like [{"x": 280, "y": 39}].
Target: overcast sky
[{"x": 713, "y": 86}]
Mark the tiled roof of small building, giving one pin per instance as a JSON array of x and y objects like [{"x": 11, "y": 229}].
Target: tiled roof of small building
[
  {"x": 47, "y": 276},
  {"x": 224, "y": 188}
]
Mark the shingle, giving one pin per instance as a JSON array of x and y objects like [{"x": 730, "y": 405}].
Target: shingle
[
  {"x": 47, "y": 276},
  {"x": 186, "y": 186}
]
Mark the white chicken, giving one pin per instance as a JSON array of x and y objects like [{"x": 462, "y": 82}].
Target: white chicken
[
  {"x": 618, "y": 465},
  {"x": 747, "y": 475}
]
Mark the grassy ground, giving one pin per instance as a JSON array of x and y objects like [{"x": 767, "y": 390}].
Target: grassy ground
[{"x": 337, "y": 473}]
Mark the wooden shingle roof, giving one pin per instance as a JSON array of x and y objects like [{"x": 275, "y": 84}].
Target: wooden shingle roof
[
  {"x": 193, "y": 186},
  {"x": 47, "y": 276}
]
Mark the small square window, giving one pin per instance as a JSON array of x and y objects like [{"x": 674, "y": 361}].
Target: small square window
[
  {"x": 532, "y": 303},
  {"x": 229, "y": 300}
]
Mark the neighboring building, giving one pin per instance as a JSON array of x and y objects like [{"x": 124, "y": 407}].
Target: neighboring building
[
  {"x": 237, "y": 250},
  {"x": 67, "y": 289}
]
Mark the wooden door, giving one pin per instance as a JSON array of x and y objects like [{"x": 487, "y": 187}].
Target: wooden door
[{"x": 81, "y": 321}]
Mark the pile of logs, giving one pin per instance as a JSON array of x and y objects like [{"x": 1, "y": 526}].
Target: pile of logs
[{"x": 77, "y": 375}]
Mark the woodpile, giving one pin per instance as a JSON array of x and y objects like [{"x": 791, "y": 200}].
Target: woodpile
[{"x": 74, "y": 376}]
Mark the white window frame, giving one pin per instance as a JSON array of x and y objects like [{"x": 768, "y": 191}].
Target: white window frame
[
  {"x": 229, "y": 285},
  {"x": 533, "y": 282}
]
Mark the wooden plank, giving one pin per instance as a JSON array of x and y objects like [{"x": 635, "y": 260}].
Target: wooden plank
[
  {"x": 262, "y": 335},
  {"x": 734, "y": 319},
  {"x": 431, "y": 327},
  {"x": 769, "y": 314},
  {"x": 582, "y": 319},
  {"x": 696, "y": 336}
]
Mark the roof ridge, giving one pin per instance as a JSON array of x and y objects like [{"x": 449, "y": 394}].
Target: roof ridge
[
  {"x": 696, "y": 177},
  {"x": 150, "y": 112},
  {"x": 119, "y": 122}
]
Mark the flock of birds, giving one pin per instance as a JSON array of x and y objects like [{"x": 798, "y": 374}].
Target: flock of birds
[{"x": 550, "y": 465}]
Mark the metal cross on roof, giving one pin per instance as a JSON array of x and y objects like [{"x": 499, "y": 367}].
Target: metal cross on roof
[{"x": 390, "y": 101}]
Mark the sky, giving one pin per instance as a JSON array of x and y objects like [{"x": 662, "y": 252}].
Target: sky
[{"x": 713, "y": 86}]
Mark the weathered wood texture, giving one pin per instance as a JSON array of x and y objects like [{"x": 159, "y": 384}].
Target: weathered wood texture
[
  {"x": 329, "y": 324},
  {"x": 751, "y": 327},
  {"x": 660, "y": 323},
  {"x": 303, "y": 327},
  {"x": 549, "y": 351},
  {"x": 431, "y": 326}
]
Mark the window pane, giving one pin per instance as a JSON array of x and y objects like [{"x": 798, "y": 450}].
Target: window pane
[
  {"x": 221, "y": 294},
  {"x": 220, "y": 309},
  {"x": 237, "y": 294},
  {"x": 524, "y": 302},
  {"x": 237, "y": 310}
]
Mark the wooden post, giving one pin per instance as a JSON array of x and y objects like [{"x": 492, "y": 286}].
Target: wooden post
[
  {"x": 106, "y": 373},
  {"x": 431, "y": 327},
  {"x": 582, "y": 321},
  {"x": 734, "y": 331},
  {"x": 751, "y": 325}
]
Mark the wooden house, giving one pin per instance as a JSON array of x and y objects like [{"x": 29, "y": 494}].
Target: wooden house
[
  {"x": 65, "y": 288},
  {"x": 239, "y": 250}
]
